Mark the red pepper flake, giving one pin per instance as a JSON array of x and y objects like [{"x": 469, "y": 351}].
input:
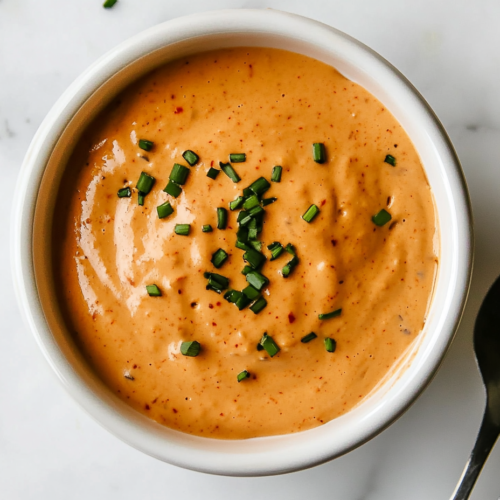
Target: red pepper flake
[
  {"x": 210, "y": 306},
  {"x": 222, "y": 414},
  {"x": 214, "y": 324},
  {"x": 147, "y": 407},
  {"x": 178, "y": 110},
  {"x": 174, "y": 410},
  {"x": 212, "y": 163},
  {"x": 218, "y": 303},
  {"x": 323, "y": 202},
  {"x": 334, "y": 243},
  {"x": 291, "y": 317},
  {"x": 135, "y": 366}
]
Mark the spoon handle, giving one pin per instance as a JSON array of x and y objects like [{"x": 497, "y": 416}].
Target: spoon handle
[{"x": 488, "y": 434}]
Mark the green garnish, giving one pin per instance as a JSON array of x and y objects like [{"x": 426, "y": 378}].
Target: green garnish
[
  {"x": 146, "y": 145},
  {"x": 276, "y": 175},
  {"x": 260, "y": 186},
  {"x": 383, "y": 217},
  {"x": 164, "y": 210},
  {"x": 330, "y": 344},
  {"x": 140, "y": 198},
  {"x": 268, "y": 201},
  {"x": 153, "y": 290},
  {"x": 219, "y": 257},
  {"x": 251, "y": 292},
  {"x": 237, "y": 157},
  {"x": 179, "y": 174},
  {"x": 207, "y": 228},
  {"x": 232, "y": 296},
  {"x": 257, "y": 245},
  {"x": 191, "y": 349},
  {"x": 243, "y": 375},
  {"x": 213, "y": 173},
  {"x": 244, "y": 217},
  {"x": 252, "y": 230},
  {"x": 251, "y": 202},
  {"x": 330, "y": 315},
  {"x": 311, "y": 212},
  {"x": 319, "y": 153},
  {"x": 289, "y": 267},
  {"x": 258, "y": 305},
  {"x": 390, "y": 160},
  {"x": 254, "y": 258},
  {"x": 276, "y": 249},
  {"x": 216, "y": 282},
  {"x": 191, "y": 157},
  {"x": 221, "y": 218},
  {"x": 308, "y": 338},
  {"x": 269, "y": 345},
  {"x": 173, "y": 189},
  {"x": 109, "y": 3},
  {"x": 291, "y": 249},
  {"x": 257, "y": 280},
  {"x": 124, "y": 193},
  {"x": 182, "y": 229},
  {"x": 242, "y": 246},
  {"x": 242, "y": 234},
  {"x": 242, "y": 302},
  {"x": 246, "y": 270},
  {"x": 145, "y": 183},
  {"x": 228, "y": 169},
  {"x": 235, "y": 204}
]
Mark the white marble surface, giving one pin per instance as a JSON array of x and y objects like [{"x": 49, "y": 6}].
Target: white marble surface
[{"x": 50, "y": 449}]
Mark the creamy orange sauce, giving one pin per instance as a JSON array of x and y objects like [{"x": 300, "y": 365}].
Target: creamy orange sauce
[{"x": 272, "y": 105}]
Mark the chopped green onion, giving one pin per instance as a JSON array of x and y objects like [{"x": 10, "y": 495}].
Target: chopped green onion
[
  {"x": 228, "y": 169},
  {"x": 242, "y": 246},
  {"x": 291, "y": 249},
  {"x": 146, "y": 145},
  {"x": 257, "y": 280},
  {"x": 258, "y": 305},
  {"x": 276, "y": 249},
  {"x": 311, "y": 212},
  {"x": 390, "y": 160},
  {"x": 247, "y": 192},
  {"x": 383, "y": 217},
  {"x": 243, "y": 375},
  {"x": 269, "y": 345},
  {"x": 259, "y": 347},
  {"x": 109, "y": 3},
  {"x": 191, "y": 349},
  {"x": 173, "y": 189},
  {"x": 179, "y": 174},
  {"x": 251, "y": 202},
  {"x": 235, "y": 204},
  {"x": 182, "y": 229},
  {"x": 191, "y": 157},
  {"x": 221, "y": 218},
  {"x": 249, "y": 215},
  {"x": 219, "y": 257},
  {"x": 276, "y": 175},
  {"x": 153, "y": 291},
  {"x": 252, "y": 230},
  {"x": 319, "y": 153},
  {"x": 124, "y": 193},
  {"x": 207, "y": 228},
  {"x": 237, "y": 157},
  {"x": 145, "y": 183},
  {"x": 242, "y": 302},
  {"x": 330, "y": 315},
  {"x": 140, "y": 198},
  {"x": 257, "y": 245},
  {"x": 268, "y": 201},
  {"x": 254, "y": 258},
  {"x": 213, "y": 173},
  {"x": 246, "y": 270},
  {"x": 232, "y": 296},
  {"x": 216, "y": 282},
  {"x": 289, "y": 267},
  {"x": 251, "y": 292},
  {"x": 330, "y": 344},
  {"x": 242, "y": 234},
  {"x": 260, "y": 186},
  {"x": 164, "y": 210},
  {"x": 308, "y": 338}
]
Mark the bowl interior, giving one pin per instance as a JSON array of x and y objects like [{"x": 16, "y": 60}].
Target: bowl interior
[{"x": 40, "y": 179}]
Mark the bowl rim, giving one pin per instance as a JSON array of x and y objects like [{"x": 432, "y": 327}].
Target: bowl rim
[{"x": 186, "y": 451}]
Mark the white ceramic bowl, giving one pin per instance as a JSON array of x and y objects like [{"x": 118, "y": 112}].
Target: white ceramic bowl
[{"x": 39, "y": 180}]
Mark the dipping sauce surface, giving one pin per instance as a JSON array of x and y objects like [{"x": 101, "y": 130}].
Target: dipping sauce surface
[{"x": 273, "y": 106}]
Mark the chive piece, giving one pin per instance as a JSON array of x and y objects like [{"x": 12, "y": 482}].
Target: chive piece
[
  {"x": 179, "y": 174},
  {"x": 109, "y": 3},
  {"x": 216, "y": 282},
  {"x": 182, "y": 229},
  {"x": 237, "y": 157},
  {"x": 221, "y": 218},
  {"x": 146, "y": 145},
  {"x": 242, "y": 375},
  {"x": 213, "y": 173},
  {"x": 247, "y": 192},
  {"x": 383, "y": 217},
  {"x": 257, "y": 245},
  {"x": 232, "y": 296},
  {"x": 191, "y": 349},
  {"x": 268, "y": 201},
  {"x": 242, "y": 234},
  {"x": 242, "y": 246},
  {"x": 124, "y": 193},
  {"x": 164, "y": 210},
  {"x": 289, "y": 267},
  {"x": 257, "y": 280},
  {"x": 258, "y": 305},
  {"x": 254, "y": 258},
  {"x": 259, "y": 347},
  {"x": 228, "y": 169},
  {"x": 145, "y": 183},
  {"x": 153, "y": 290},
  {"x": 219, "y": 257},
  {"x": 173, "y": 189},
  {"x": 269, "y": 345},
  {"x": 235, "y": 204},
  {"x": 308, "y": 338},
  {"x": 191, "y": 157},
  {"x": 276, "y": 175},
  {"x": 291, "y": 249},
  {"x": 311, "y": 212},
  {"x": 276, "y": 249},
  {"x": 390, "y": 160},
  {"x": 140, "y": 198},
  {"x": 260, "y": 186},
  {"x": 330, "y": 344},
  {"x": 251, "y": 202},
  {"x": 246, "y": 270},
  {"x": 243, "y": 301},
  {"x": 330, "y": 315},
  {"x": 252, "y": 230},
  {"x": 207, "y": 228},
  {"x": 251, "y": 292},
  {"x": 319, "y": 153}
]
